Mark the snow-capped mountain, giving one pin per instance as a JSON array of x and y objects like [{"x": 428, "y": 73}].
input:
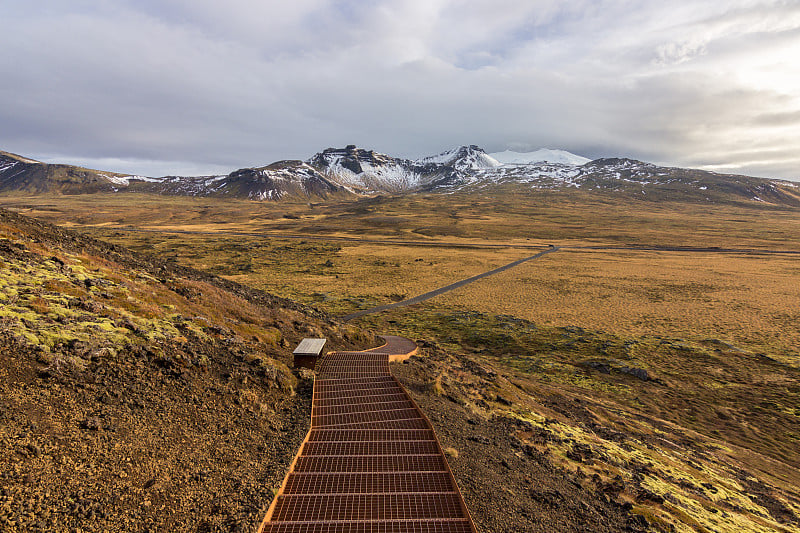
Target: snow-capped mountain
[
  {"x": 543, "y": 155},
  {"x": 369, "y": 171},
  {"x": 353, "y": 171},
  {"x": 463, "y": 159}
]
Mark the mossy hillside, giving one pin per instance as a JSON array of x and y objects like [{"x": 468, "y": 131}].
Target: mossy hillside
[
  {"x": 136, "y": 394},
  {"x": 54, "y": 300},
  {"x": 670, "y": 486},
  {"x": 58, "y": 301},
  {"x": 659, "y": 444}
]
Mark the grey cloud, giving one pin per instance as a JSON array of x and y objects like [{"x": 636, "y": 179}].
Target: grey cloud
[
  {"x": 788, "y": 118},
  {"x": 199, "y": 84}
]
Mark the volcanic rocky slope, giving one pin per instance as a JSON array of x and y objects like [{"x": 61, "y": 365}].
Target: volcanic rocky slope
[{"x": 138, "y": 395}]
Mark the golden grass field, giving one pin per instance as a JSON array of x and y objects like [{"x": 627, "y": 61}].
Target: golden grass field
[
  {"x": 749, "y": 301},
  {"x": 522, "y": 219},
  {"x": 746, "y": 300}
]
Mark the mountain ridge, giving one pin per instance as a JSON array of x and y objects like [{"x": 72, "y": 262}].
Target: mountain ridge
[
  {"x": 464, "y": 158},
  {"x": 354, "y": 172}
]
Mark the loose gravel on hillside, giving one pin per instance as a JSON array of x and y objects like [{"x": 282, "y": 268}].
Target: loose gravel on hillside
[
  {"x": 129, "y": 444},
  {"x": 507, "y": 485},
  {"x": 137, "y": 395}
]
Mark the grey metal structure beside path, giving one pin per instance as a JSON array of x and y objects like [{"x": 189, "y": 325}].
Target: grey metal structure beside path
[{"x": 442, "y": 290}]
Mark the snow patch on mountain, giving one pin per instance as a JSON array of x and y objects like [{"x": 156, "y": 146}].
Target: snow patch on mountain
[
  {"x": 124, "y": 180},
  {"x": 117, "y": 180},
  {"x": 538, "y": 176},
  {"x": 7, "y": 164},
  {"x": 543, "y": 155},
  {"x": 189, "y": 185}
]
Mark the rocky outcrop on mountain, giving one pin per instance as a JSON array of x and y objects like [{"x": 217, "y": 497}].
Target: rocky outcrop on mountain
[
  {"x": 353, "y": 159},
  {"x": 367, "y": 171}
]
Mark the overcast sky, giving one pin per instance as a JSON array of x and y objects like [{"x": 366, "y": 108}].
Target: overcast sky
[{"x": 160, "y": 87}]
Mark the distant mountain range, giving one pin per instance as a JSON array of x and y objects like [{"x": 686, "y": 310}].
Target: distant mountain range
[{"x": 353, "y": 171}]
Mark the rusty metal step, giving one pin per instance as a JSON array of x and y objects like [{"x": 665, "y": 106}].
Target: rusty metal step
[
  {"x": 405, "y": 526},
  {"x": 398, "y": 447},
  {"x": 354, "y": 507},
  {"x": 367, "y": 482}
]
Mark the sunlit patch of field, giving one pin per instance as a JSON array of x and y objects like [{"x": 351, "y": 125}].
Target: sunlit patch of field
[
  {"x": 749, "y": 301},
  {"x": 384, "y": 274}
]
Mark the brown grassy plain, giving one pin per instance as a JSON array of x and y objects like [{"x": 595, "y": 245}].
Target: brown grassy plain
[
  {"x": 745, "y": 300},
  {"x": 524, "y": 219},
  {"x": 749, "y": 301}
]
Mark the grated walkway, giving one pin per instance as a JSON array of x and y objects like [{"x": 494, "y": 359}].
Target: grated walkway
[{"x": 371, "y": 462}]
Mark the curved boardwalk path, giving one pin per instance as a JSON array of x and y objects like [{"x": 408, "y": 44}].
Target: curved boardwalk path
[{"x": 371, "y": 462}]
